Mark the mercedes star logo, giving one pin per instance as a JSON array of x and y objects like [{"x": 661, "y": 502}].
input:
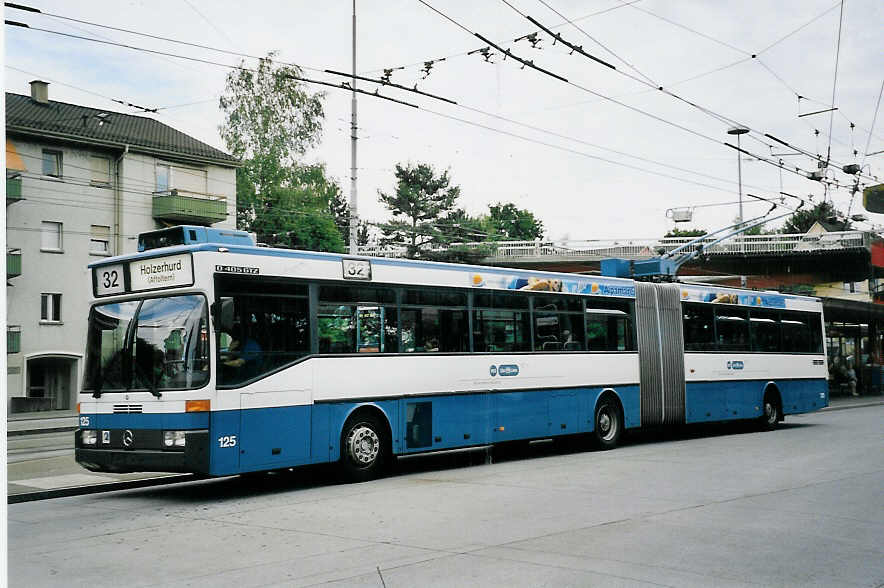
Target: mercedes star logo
[{"x": 128, "y": 438}]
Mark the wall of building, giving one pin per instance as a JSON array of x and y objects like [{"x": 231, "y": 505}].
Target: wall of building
[{"x": 78, "y": 205}]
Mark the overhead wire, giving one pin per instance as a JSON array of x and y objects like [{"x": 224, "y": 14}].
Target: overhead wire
[
  {"x": 465, "y": 53},
  {"x": 713, "y": 114},
  {"x": 596, "y": 41},
  {"x": 239, "y": 67},
  {"x": 380, "y": 96},
  {"x": 155, "y": 37},
  {"x": 623, "y": 104}
]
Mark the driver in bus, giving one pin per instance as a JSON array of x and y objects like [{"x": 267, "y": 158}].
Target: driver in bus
[{"x": 242, "y": 350}]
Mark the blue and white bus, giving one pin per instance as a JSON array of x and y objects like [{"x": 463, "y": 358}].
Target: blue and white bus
[{"x": 207, "y": 354}]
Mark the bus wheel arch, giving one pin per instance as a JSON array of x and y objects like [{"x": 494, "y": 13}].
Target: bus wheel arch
[
  {"x": 608, "y": 422},
  {"x": 772, "y": 407},
  {"x": 366, "y": 443}
]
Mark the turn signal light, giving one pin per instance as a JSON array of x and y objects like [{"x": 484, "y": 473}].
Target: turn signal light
[
  {"x": 196, "y": 406},
  {"x": 78, "y": 408}
]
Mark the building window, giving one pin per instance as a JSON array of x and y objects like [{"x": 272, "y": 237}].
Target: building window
[
  {"x": 184, "y": 179},
  {"x": 99, "y": 240},
  {"x": 52, "y": 163},
  {"x": 100, "y": 170},
  {"x": 164, "y": 177},
  {"x": 50, "y": 308},
  {"x": 51, "y": 238}
]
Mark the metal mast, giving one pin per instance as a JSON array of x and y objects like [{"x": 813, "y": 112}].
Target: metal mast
[{"x": 354, "y": 214}]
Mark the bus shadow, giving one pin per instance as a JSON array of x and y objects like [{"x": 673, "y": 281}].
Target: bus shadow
[{"x": 310, "y": 477}]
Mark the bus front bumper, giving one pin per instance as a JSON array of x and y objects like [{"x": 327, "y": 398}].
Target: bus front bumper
[{"x": 194, "y": 459}]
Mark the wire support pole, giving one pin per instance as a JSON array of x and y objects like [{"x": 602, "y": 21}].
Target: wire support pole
[
  {"x": 354, "y": 209},
  {"x": 740, "y": 179}
]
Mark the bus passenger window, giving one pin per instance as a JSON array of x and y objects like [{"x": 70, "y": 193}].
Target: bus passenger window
[
  {"x": 699, "y": 333},
  {"x": 434, "y": 320},
  {"x": 558, "y": 323},
  {"x": 796, "y": 333},
  {"x": 608, "y": 330},
  {"x": 732, "y": 329},
  {"x": 764, "y": 328}
]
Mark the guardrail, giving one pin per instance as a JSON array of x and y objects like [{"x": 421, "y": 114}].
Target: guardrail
[{"x": 779, "y": 244}]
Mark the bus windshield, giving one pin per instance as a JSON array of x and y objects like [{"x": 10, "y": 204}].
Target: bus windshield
[{"x": 155, "y": 344}]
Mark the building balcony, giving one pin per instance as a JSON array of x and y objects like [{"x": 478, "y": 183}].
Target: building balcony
[
  {"x": 13, "y": 339},
  {"x": 13, "y": 187},
  {"x": 13, "y": 263},
  {"x": 180, "y": 206}
]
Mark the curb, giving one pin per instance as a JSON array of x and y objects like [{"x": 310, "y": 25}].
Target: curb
[
  {"x": 848, "y": 406},
  {"x": 99, "y": 488},
  {"x": 41, "y": 431}
]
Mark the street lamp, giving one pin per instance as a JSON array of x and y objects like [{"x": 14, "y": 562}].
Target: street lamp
[{"x": 739, "y": 131}]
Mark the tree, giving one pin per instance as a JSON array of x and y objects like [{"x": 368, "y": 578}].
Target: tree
[
  {"x": 270, "y": 122},
  {"x": 459, "y": 226},
  {"x": 421, "y": 199},
  {"x": 297, "y": 218},
  {"x": 756, "y": 230},
  {"x": 802, "y": 220},
  {"x": 509, "y": 223}
]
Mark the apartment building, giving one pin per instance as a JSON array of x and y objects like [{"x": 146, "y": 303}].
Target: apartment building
[{"x": 81, "y": 183}]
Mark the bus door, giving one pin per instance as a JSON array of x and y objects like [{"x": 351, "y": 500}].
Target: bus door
[
  {"x": 660, "y": 338},
  {"x": 274, "y": 428}
]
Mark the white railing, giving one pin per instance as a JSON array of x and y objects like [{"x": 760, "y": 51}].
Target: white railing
[{"x": 778, "y": 244}]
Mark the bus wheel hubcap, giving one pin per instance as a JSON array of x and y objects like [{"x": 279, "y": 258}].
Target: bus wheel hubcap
[
  {"x": 770, "y": 412},
  {"x": 606, "y": 424},
  {"x": 363, "y": 444}
]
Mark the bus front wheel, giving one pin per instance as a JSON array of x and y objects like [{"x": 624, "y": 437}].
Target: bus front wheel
[
  {"x": 364, "y": 448},
  {"x": 608, "y": 424}
]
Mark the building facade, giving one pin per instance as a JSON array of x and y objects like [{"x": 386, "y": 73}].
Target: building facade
[{"x": 81, "y": 184}]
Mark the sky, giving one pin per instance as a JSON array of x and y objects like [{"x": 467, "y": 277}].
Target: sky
[{"x": 601, "y": 156}]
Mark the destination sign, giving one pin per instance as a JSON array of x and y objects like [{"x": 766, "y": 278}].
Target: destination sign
[{"x": 161, "y": 272}]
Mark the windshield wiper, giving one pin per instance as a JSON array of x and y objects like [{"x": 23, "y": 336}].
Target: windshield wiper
[
  {"x": 150, "y": 386},
  {"x": 99, "y": 384}
]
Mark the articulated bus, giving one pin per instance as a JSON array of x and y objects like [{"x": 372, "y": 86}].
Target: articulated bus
[{"x": 210, "y": 355}]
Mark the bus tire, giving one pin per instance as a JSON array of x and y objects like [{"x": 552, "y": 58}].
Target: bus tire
[
  {"x": 608, "y": 424},
  {"x": 771, "y": 413},
  {"x": 364, "y": 448}
]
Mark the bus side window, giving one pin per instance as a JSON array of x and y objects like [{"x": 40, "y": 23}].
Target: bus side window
[{"x": 699, "y": 332}]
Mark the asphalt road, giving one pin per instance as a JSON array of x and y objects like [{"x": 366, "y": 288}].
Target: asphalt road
[{"x": 801, "y": 506}]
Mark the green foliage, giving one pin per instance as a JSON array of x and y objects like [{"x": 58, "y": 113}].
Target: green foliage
[
  {"x": 472, "y": 255},
  {"x": 459, "y": 227},
  {"x": 508, "y": 223},
  {"x": 297, "y": 218},
  {"x": 686, "y": 233},
  {"x": 756, "y": 230},
  {"x": 421, "y": 199},
  {"x": 802, "y": 220},
  {"x": 270, "y": 120}
]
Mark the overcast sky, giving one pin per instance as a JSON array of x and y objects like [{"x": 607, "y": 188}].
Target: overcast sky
[{"x": 570, "y": 187}]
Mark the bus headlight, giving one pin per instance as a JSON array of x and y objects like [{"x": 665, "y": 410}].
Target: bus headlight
[
  {"x": 174, "y": 438},
  {"x": 89, "y": 437}
]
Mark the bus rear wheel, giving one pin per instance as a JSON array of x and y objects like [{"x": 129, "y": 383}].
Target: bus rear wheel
[
  {"x": 608, "y": 424},
  {"x": 364, "y": 448},
  {"x": 770, "y": 416}
]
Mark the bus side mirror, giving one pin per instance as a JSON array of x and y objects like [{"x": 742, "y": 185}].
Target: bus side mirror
[{"x": 222, "y": 311}]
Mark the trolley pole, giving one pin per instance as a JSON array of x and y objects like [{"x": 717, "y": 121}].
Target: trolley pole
[{"x": 354, "y": 214}]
